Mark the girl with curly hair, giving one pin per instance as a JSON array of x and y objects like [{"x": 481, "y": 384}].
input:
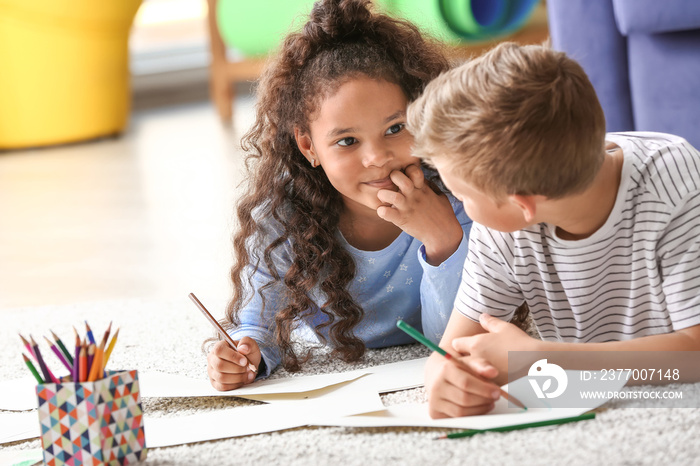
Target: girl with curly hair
[{"x": 341, "y": 230}]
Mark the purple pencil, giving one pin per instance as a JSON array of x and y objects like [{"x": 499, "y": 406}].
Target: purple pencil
[
  {"x": 59, "y": 355},
  {"x": 76, "y": 364},
  {"x": 48, "y": 375}
]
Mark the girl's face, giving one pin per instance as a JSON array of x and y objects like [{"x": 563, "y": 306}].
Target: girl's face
[{"x": 359, "y": 137}]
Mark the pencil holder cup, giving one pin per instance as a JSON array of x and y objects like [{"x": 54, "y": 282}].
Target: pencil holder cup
[{"x": 91, "y": 423}]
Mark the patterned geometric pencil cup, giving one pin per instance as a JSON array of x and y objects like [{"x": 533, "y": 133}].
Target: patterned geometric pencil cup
[{"x": 91, "y": 423}]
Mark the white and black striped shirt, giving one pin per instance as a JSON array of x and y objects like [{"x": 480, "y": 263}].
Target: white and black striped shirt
[{"x": 638, "y": 275}]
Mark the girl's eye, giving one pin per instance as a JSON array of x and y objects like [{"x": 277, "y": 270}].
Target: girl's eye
[
  {"x": 345, "y": 142},
  {"x": 397, "y": 128}
]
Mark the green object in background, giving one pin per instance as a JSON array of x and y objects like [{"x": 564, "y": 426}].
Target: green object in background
[
  {"x": 454, "y": 21},
  {"x": 256, "y": 28}
]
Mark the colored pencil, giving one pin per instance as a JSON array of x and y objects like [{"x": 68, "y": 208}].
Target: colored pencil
[
  {"x": 59, "y": 355},
  {"x": 90, "y": 357},
  {"x": 82, "y": 370},
  {"x": 63, "y": 347},
  {"x": 108, "y": 352},
  {"x": 106, "y": 335},
  {"x": 48, "y": 375},
  {"x": 528, "y": 425},
  {"x": 415, "y": 334},
  {"x": 97, "y": 368},
  {"x": 32, "y": 369},
  {"x": 27, "y": 346},
  {"x": 76, "y": 359},
  {"x": 88, "y": 330},
  {"x": 218, "y": 327}
]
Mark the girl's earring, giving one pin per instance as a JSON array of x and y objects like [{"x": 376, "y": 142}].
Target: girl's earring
[{"x": 313, "y": 163}]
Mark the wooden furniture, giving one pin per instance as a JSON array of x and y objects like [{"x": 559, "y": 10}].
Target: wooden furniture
[{"x": 224, "y": 73}]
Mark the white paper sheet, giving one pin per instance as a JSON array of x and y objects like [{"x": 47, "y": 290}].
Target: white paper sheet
[
  {"x": 501, "y": 416},
  {"x": 357, "y": 396},
  {"x": 19, "y": 426},
  {"x": 19, "y": 394}
]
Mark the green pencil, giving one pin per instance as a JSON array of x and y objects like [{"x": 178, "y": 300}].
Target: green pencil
[
  {"x": 32, "y": 369},
  {"x": 471, "y": 432},
  {"x": 422, "y": 339}
]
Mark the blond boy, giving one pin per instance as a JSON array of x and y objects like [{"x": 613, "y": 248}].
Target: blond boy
[{"x": 599, "y": 234}]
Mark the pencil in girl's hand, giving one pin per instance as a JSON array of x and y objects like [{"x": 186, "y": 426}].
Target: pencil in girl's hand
[
  {"x": 32, "y": 369},
  {"x": 88, "y": 330},
  {"x": 218, "y": 327},
  {"x": 416, "y": 335},
  {"x": 48, "y": 375},
  {"x": 108, "y": 352},
  {"x": 63, "y": 347},
  {"x": 59, "y": 355}
]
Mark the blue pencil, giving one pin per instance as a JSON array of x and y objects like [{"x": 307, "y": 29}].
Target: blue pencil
[{"x": 89, "y": 333}]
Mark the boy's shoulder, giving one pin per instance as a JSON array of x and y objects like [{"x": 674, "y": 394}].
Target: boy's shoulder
[{"x": 665, "y": 164}]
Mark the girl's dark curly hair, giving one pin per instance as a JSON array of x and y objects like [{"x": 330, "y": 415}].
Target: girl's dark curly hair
[{"x": 343, "y": 39}]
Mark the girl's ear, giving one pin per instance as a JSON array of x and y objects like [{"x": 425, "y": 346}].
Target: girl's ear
[{"x": 306, "y": 146}]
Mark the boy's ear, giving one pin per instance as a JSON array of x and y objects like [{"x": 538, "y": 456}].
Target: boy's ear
[
  {"x": 305, "y": 145},
  {"x": 527, "y": 205}
]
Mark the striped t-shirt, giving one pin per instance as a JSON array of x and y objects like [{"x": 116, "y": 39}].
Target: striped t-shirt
[{"x": 638, "y": 275}]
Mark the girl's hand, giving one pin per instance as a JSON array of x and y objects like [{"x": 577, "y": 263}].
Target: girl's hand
[
  {"x": 453, "y": 392},
  {"x": 421, "y": 213},
  {"x": 228, "y": 368}
]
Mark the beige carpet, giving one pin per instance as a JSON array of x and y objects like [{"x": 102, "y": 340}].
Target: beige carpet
[{"x": 167, "y": 336}]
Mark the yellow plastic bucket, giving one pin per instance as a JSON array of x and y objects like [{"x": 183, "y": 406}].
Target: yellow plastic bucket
[{"x": 64, "y": 70}]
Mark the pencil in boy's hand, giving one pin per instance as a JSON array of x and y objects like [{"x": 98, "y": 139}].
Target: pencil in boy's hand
[
  {"x": 32, "y": 369},
  {"x": 218, "y": 327},
  {"x": 416, "y": 335},
  {"x": 528, "y": 425}
]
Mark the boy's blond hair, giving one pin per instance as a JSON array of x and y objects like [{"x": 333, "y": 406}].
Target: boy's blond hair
[{"x": 517, "y": 120}]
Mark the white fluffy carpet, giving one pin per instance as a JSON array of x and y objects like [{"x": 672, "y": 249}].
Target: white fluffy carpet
[{"x": 167, "y": 336}]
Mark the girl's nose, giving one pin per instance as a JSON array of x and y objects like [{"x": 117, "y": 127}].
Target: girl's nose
[{"x": 377, "y": 155}]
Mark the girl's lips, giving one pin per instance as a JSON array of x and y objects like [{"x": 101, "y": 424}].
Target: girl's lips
[{"x": 384, "y": 183}]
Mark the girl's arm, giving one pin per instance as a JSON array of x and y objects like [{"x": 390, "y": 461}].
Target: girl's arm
[{"x": 440, "y": 282}]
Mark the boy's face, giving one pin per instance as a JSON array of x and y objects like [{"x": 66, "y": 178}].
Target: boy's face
[
  {"x": 359, "y": 137},
  {"x": 503, "y": 216}
]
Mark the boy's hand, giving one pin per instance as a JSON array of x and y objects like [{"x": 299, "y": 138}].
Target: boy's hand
[
  {"x": 228, "y": 368},
  {"x": 493, "y": 346},
  {"x": 421, "y": 213},
  {"x": 453, "y": 392}
]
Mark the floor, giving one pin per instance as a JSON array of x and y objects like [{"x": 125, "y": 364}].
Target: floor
[{"x": 145, "y": 215}]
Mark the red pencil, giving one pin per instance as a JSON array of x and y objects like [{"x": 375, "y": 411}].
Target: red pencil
[{"x": 82, "y": 371}]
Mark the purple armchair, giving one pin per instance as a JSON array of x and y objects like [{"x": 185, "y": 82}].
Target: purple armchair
[{"x": 642, "y": 56}]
